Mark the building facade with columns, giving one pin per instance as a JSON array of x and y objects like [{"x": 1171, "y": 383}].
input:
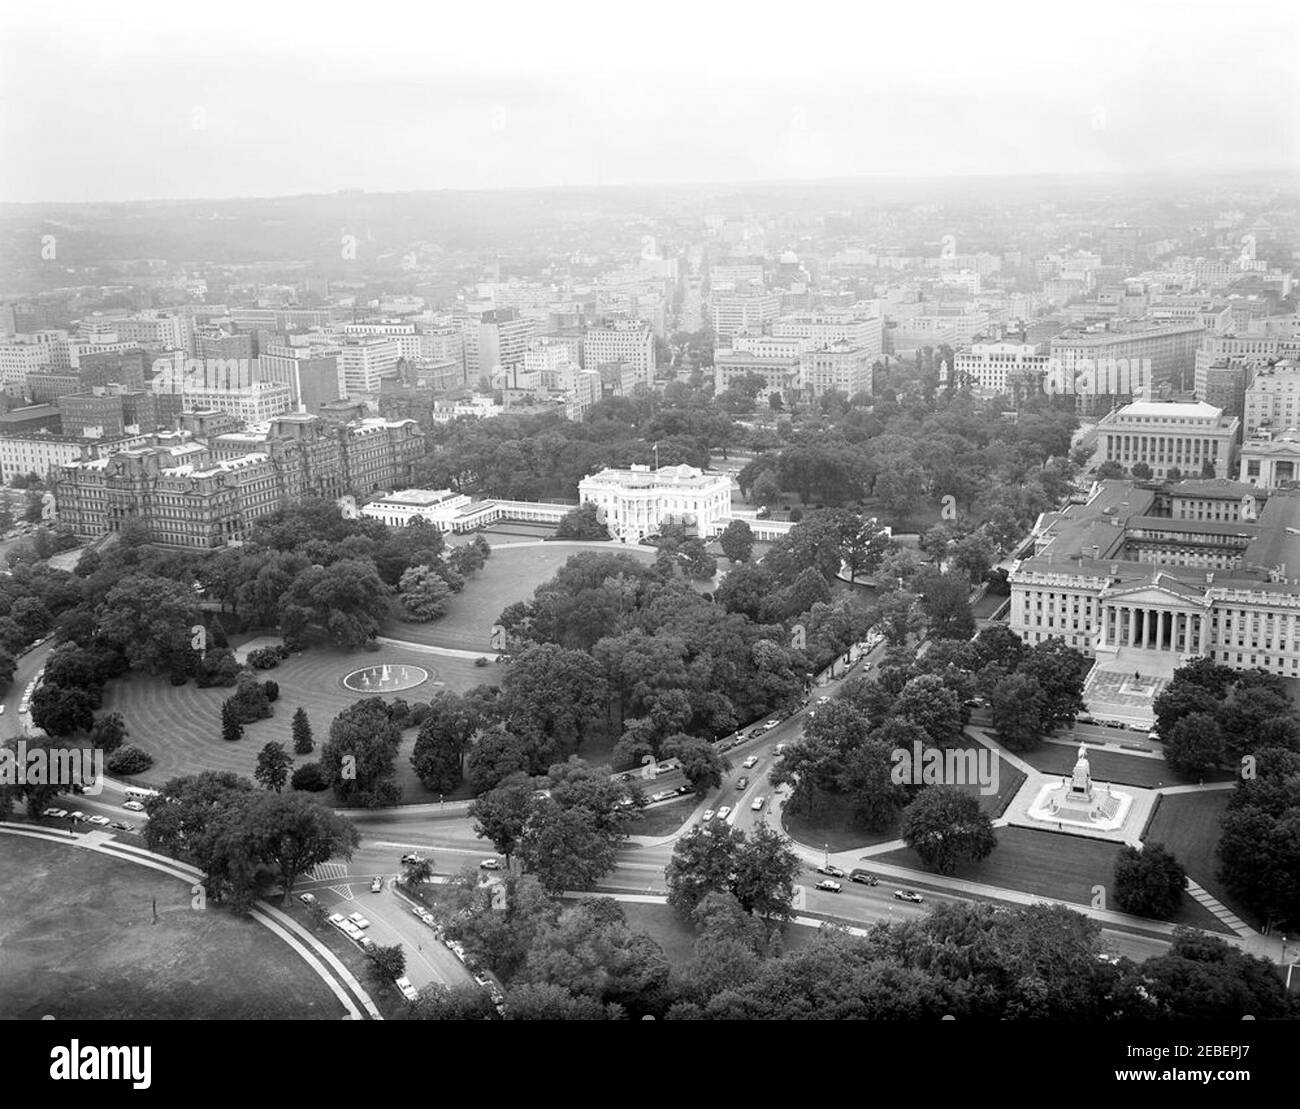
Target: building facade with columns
[
  {"x": 635, "y": 503},
  {"x": 1111, "y": 576}
]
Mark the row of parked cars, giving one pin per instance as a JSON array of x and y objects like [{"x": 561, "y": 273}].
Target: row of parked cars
[
  {"x": 89, "y": 818},
  {"x": 457, "y": 949}
]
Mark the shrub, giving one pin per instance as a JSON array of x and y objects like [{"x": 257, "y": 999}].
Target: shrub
[
  {"x": 480, "y": 661},
  {"x": 177, "y": 678},
  {"x": 264, "y": 658},
  {"x": 129, "y": 759},
  {"x": 309, "y": 778},
  {"x": 272, "y": 690}
]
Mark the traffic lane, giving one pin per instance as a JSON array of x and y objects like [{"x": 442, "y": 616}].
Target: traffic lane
[
  {"x": 1137, "y": 947},
  {"x": 856, "y": 902},
  {"x": 29, "y": 665}
]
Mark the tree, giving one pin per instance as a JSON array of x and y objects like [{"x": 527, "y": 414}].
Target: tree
[
  {"x": 565, "y": 847},
  {"x": 152, "y": 619},
  {"x": 703, "y": 862},
  {"x": 301, "y": 727},
  {"x": 273, "y": 763},
  {"x": 927, "y": 702},
  {"x": 346, "y": 600},
  {"x": 582, "y": 523},
  {"x": 1017, "y": 704},
  {"x": 1202, "y": 977},
  {"x": 424, "y": 594},
  {"x": 696, "y": 561},
  {"x": 309, "y": 778},
  {"x": 439, "y": 1002},
  {"x": 500, "y": 814},
  {"x": 1149, "y": 881},
  {"x": 441, "y": 744},
  {"x": 1141, "y": 471},
  {"x": 1109, "y": 471},
  {"x": 357, "y": 759},
  {"x": 64, "y": 711},
  {"x": 945, "y": 827},
  {"x": 543, "y": 1001},
  {"x": 1182, "y": 698},
  {"x": 552, "y": 696},
  {"x": 128, "y": 760},
  {"x": 737, "y": 541},
  {"x": 386, "y": 964},
  {"x": 945, "y": 599},
  {"x": 416, "y": 871},
  {"x": 701, "y": 764},
  {"x": 295, "y": 832},
  {"x": 1195, "y": 745},
  {"x": 765, "y": 872},
  {"x": 1059, "y": 670},
  {"x": 232, "y": 727}
]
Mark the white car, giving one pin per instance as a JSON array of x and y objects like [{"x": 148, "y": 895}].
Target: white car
[
  {"x": 490, "y": 864},
  {"x": 758, "y": 804},
  {"x": 709, "y": 814},
  {"x": 77, "y": 814},
  {"x": 352, "y": 931},
  {"x": 408, "y": 991},
  {"x": 829, "y": 885},
  {"x": 100, "y": 821},
  {"x": 60, "y": 813},
  {"x": 359, "y": 920},
  {"x": 771, "y": 724},
  {"x": 724, "y": 812},
  {"x": 307, "y": 898},
  {"x": 337, "y": 920},
  {"x": 750, "y": 762},
  {"x": 822, "y": 700},
  {"x": 134, "y": 806}
]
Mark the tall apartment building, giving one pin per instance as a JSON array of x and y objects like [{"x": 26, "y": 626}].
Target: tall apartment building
[
  {"x": 17, "y": 360},
  {"x": 364, "y": 362},
  {"x": 840, "y": 367},
  {"x": 628, "y": 341},
  {"x": 994, "y": 368},
  {"x": 1271, "y": 398},
  {"x": 443, "y": 344},
  {"x": 860, "y": 325},
  {"x": 313, "y": 373},
  {"x": 252, "y": 404},
  {"x": 410, "y": 342},
  {"x": 496, "y": 340},
  {"x": 747, "y": 311},
  {"x": 1188, "y": 437}
]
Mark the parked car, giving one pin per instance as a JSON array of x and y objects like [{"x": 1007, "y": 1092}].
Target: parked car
[
  {"x": 366, "y": 943},
  {"x": 490, "y": 864},
  {"x": 408, "y": 991},
  {"x": 829, "y": 886},
  {"x": 750, "y": 762},
  {"x": 376, "y": 884},
  {"x": 863, "y": 876},
  {"x": 98, "y": 821},
  {"x": 307, "y": 898},
  {"x": 724, "y": 812},
  {"x": 359, "y": 920},
  {"x": 771, "y": 724},
  {"x": 709, "y": 814},
  {"x": 337, "y": 920},
  {"x": 759, "y": 802},
  {"x": 77, "y": 814},
  {"x": 122, "y": 826},
  {"x": 908, "y": 895},
  {"x": 352, "y": 931},
  {"x": 682, "y": 791},
  {"x": 663, "y": 795},
  {"x": 58, "y": 814},
  {"x": 779, "y": 749},
  {"x": 134, "y": 806},
  {"x": 412, "y": 857},
  {"x": 831, "y": 869},
  {"x": 742, "y": 782}
]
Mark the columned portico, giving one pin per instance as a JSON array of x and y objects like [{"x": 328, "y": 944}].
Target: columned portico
[{"x": 1152, "y": 628}]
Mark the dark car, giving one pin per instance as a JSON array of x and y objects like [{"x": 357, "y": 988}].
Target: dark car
[{"x": 864, "y": 876}]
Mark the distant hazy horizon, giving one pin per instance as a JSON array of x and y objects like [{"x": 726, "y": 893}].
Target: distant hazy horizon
[{"x": 245, "y": 100}]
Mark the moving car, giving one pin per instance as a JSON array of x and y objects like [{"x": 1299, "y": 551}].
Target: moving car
[
  {"x": 408, "y": 991},
  {"x": 863, "y": 876},
  {"x": 307, "y": 898},
  {"x": 134, "y": 806},
  {"x": 376, "y": 884},
  {"x": 359, "y": 920},
  {"x": 908, "y": 895},
  {"x": 412, "y": 857},
  {"x": 490, "y": 864},
  {"x": 750, "y": 762},
  {"x": 59, "y": 813},
  {"x": 829, "y": 886},
  {"x": 831, "y": 869},
  {"x": 724, "y": 812},
  {"x": 759, "y": 802}
]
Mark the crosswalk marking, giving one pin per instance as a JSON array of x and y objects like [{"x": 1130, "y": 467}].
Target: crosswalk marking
[
  {"x": 328, "y": 870},
  {"x": 344, "y": 892}
]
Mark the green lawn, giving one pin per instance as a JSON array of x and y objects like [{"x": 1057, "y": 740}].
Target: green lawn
[
  {"x": 1188, "y": 824},
  {"x": 510, "y": 575},
  {"x": 1053, "y": 865},
  {"x": 80, "y": 942},
  {"x": 1111, "y": 766},
  {"x": 664, "y": 820}
]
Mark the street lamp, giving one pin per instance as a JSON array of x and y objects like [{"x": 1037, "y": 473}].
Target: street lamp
[{"x": 827, "y": 850}]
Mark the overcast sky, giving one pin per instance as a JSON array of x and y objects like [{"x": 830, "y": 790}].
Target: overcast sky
[{"x": 111, "y": 102}]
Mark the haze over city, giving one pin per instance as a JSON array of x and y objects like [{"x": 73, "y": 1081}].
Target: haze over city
[{"x": 246, "y": 100}]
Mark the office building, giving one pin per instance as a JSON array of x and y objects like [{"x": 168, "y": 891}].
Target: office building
[
  {"x": 838, "y": 367},
  {"x": 743, "y": 311},
  {"x": 628, "y": 341},
  {"x": 1196, "y": 439},
  {"x": 1270, "y": 400}
]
